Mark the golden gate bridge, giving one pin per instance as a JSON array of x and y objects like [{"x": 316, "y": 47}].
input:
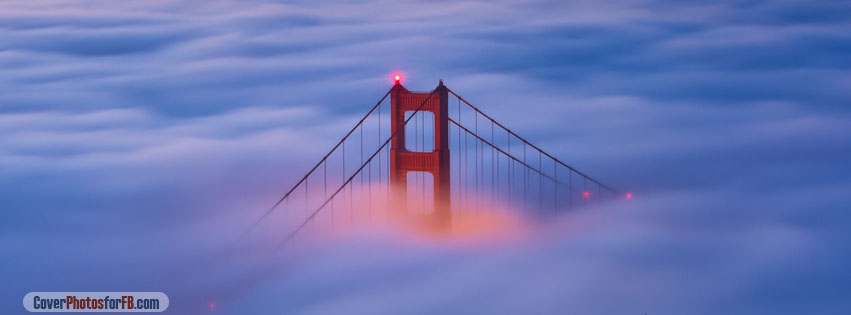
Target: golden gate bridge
[{"x": 434, "y": 154}]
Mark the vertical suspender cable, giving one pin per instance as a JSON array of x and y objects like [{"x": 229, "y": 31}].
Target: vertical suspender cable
[
  {"x": 325, "y": 179},
  {"x": 379, "y": 142},
  {"x": 569, "y": 188},
  {"x": 476, "y": 158},
  {"x": 369, "y": 187},
  {"x": 458, "y": 153},
  {"x": 360, "y": 200},
  {"x": 493, "y": 181},
  {"x": 525, "y": 174},
  {"x": 466, "y": 163},
  {"x": 555, "y": 184},
  {"x": 306, "y": 193}
]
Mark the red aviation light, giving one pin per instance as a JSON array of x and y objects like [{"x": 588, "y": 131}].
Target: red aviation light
[
  {"x": 628, "y": 196},
  {"x": 397, "y": 77},
  {"x": 586, "y": 195}
]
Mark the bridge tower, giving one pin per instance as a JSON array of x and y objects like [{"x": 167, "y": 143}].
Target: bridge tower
[{"x": 436, "y": 162}]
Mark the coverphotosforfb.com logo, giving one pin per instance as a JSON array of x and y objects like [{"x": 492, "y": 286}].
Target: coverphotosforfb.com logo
[{"x": 95, "y": 301}]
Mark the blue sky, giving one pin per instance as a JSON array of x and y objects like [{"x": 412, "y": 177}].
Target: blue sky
[{"x": 163, "y": 127}]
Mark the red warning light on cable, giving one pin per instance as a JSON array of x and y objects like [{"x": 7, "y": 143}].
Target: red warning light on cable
[
  {"x": 586, "y": 195},
  {"x": 628, "y": 195}
]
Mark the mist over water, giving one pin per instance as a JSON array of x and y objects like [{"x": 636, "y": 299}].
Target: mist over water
[
  {"x": 657, "y": 254},
  {"x": 661, "y": 253},
  {"x": 139, "y": 141}
]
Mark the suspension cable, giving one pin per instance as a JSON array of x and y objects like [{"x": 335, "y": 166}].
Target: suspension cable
[
  {"x": 304, "y": 178},
  {"x": 328, "y": 200},
  {"x": 530, "y": 167},
  {"x": 529, "y": 143}
]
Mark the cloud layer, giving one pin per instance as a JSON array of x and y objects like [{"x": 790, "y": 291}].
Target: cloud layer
[{"x": 165, "y": 126}]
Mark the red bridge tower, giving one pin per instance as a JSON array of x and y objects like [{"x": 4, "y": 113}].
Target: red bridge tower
[{"x": 436, "y": 162}]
